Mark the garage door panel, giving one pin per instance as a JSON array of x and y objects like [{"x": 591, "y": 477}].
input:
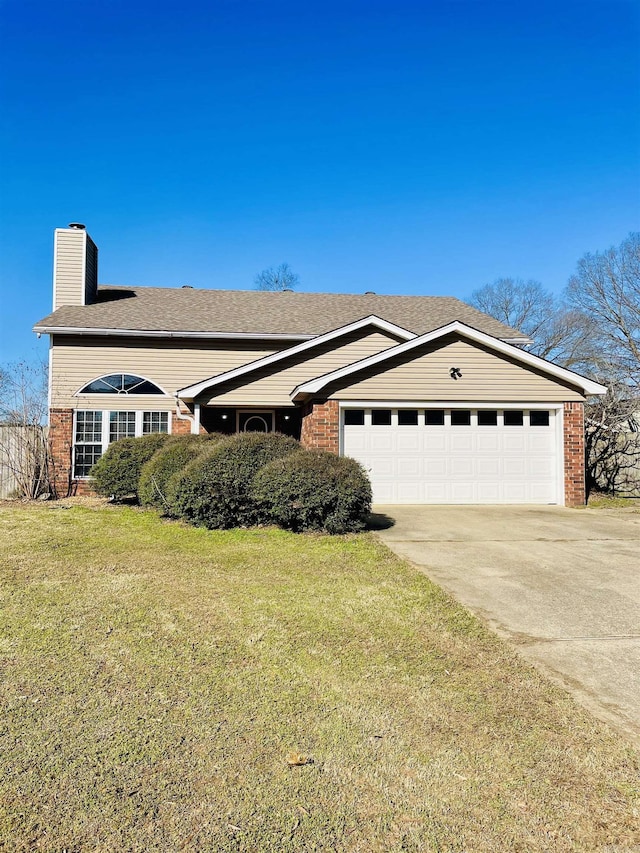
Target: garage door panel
[
  {"x": 541, "y": 468},
  {"x": 487, "y": 441},
  {"x": 488, "y": 466},
  {"x": 409, "y": 493},
  {"x": 461, "y": 466},
  {"x": 434, "y": 467},
  {"x": 514, "y": 440},
  {"x": 382, "y": 440},
  {"x": 408, "y": 441},
  {"x": 382, "y": 466},
  {"x": 462, "y": 493},
  {"x": 458, "y": 464},
  {"x": 461, "y": 441},
  {"x": 385, "y": 493},
  {"x": 514, "y": 466},
  {"x": 488, "y": 493},
  {"x": 407, "y": 469},
  {"x": 434, "y": 441},
  {"x": 540, "y": 443},
  {"x": 357, "y": 439}
]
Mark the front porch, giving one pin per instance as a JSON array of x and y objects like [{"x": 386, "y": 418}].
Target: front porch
[{"x": 229, "y": 420}]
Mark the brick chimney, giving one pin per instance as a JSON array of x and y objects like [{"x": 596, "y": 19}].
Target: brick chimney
[{"x": 75, "y": 266}]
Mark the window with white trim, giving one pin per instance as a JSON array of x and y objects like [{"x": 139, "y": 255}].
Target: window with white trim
[
  {"x": 87, "y": 443},
  {"x": 121, "y": 425},
  {"x": 121, "y": 383},
  {"x": 94, "y": 431}
]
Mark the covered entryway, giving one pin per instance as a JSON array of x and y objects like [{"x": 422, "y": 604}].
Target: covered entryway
[{"x": 459, "y": 454}]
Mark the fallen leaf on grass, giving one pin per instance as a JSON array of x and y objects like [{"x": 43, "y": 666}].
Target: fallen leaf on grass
[{"x": 297, "y": 759}]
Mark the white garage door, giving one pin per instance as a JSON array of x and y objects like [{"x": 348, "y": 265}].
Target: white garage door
[{"x": 456, "y": 456}]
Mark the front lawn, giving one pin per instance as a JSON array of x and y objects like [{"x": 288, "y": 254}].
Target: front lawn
[{"x": 159, "y": 679}]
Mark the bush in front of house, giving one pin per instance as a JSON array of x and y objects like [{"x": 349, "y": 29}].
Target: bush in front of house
[
  {"x": 314, "y": 490},
  {"x": 117, "y": 472},
  {"x": 214, "y": 490},
  {"x": 167, "y": 461}
]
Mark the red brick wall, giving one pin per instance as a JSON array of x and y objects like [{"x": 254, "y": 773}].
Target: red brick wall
[
  {"x": 182, "y": 427},
  {"x": 60, "y": 450},
  {"x": 321, "y": 426},
  {"x": 574, "y": 469},
  {"x": 320, "y": 430}
]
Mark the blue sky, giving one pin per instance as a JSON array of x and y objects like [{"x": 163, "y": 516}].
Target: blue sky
[{"x": 401, "y": 147}]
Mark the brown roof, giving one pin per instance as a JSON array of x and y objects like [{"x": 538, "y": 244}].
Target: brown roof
[{"x": 251, "y": 312}]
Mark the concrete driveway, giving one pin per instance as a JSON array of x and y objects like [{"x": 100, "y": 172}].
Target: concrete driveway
[{"x": 563, "y": 585}]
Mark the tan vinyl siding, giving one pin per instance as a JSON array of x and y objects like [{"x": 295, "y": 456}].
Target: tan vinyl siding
[
  {"x": 169, "y": 363},
  {"x": 423, "y": 375},
  {"x": 272, "y": 385},
  {"x": 68, "y": 270}
]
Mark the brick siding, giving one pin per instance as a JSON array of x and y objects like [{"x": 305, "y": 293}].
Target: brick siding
[
  {"x": 574, "y": 462},
  {"x": 320, "y": 431},
  {"x": 183, "y": 427},
  {"x": 60, "y": 452},
  {"x": 321, "y": 426}
]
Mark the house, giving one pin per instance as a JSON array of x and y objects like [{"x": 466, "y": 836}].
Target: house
[{"x": 440, "y": 402}]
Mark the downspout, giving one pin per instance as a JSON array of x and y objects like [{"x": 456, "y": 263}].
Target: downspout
[{"x": 194, "y": 421}]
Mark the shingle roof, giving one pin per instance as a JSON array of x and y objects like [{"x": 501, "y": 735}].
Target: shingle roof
[{"x": 251, "y": 312}]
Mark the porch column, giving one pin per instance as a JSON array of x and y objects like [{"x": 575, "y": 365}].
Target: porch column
[
  {"x": 321, "y": 426},
  {"x": 574, "y": 462}
]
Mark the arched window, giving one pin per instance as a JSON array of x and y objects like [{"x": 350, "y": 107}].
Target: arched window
[{"x": 120, "y": 383}]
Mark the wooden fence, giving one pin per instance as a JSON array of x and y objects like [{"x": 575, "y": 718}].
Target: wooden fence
[{"x": 23, "y": 458}]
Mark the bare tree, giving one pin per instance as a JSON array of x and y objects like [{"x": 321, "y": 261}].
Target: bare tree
[
  {"x": 281, "y": 277},
  {"x": 612, "y": 441},
  {"x": 23, "y": 410},
  {"x": 606, "y": 288},
  {"x": 559, "y": 333}
]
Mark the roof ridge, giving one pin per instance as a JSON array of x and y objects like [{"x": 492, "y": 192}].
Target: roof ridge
[{"x": 272, "y": 293}]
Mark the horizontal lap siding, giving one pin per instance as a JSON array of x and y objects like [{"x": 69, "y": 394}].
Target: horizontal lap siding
[
  {"x": 425, "y": 375},
  {"x": 273, "y": 385},
  {"x": 69, "y": 268},
  {"x": 171, "y": 364}
]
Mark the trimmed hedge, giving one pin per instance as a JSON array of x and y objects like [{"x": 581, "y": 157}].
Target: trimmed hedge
[
  {"x": 167, "y": 461},
  {"x": 214, "y": 490},
  {"x": 117, "y": 472},
  {"x": 314, "y": 490}
]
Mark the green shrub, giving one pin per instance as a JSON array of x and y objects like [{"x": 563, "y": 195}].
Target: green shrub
[
  {"x": 166, "y": 462},
  {"x": 314, "y": 490},
  {"x": 214, "y": 490},
  {"x": 117, "y": 472}
]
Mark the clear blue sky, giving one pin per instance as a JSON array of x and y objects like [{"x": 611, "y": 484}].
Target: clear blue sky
[{"x": 402, "y": 147}]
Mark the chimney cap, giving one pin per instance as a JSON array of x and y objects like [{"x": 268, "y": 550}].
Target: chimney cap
[{"x": 77, "y": 226}]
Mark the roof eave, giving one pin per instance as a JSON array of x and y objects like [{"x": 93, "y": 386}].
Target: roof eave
[
  {"x": 590, "y": 388},
  {"x": 168, "y": 333},
  {"x": 189, "y": 392}
]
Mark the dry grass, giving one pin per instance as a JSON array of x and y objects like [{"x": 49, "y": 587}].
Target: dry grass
[
  {"x": 158, "y": 678},
  {"x": 597, "y": 500}
]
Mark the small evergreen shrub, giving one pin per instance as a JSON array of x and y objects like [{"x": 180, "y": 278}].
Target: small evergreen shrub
[
  {"x": 214, "y": 490},
  {"x": 314, "y": 490},
  {"x": 166, "y": 462},
  {"x": 117, "y": 471}
]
